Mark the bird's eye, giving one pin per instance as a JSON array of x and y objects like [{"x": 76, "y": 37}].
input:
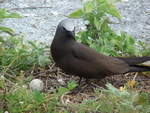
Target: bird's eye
[{"x": 64, "y": 28}]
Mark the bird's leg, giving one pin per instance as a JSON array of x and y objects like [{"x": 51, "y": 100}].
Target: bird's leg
[
  {"x": 87, "y": 80},
  {"x": 80, "y": 80}
]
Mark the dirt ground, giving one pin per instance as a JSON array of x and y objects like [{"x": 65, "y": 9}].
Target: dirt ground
[{"x": 55, "y": 78}]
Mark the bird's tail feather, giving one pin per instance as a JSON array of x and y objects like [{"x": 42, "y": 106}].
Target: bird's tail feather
[
  {"x": 134, "y": 60},
  {"x": 139, "y": 68}
]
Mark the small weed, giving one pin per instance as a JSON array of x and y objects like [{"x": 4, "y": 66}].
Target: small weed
[
  {"x": 115, "y": 100},
  {"x": 71, "y": 85}
]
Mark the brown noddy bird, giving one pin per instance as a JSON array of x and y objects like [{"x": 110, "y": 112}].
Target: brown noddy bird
[{"x": 80, "y": 60}]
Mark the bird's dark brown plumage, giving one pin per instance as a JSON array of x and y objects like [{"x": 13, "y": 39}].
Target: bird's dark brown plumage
[{"x": 80, "y": 60}]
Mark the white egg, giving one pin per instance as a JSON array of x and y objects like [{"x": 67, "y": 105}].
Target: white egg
[{"x": 36, "y": 84}]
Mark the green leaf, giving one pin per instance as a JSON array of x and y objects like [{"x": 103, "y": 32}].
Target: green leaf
[
  {"x": 101, "y": 2},
  {"x": 123, "y": 35},
  {"x": 62, "y": 90},
  {"x": 6, "y": 29},
  {"x": 94, "y": 46},
  {"x": 124, "y": 93},
  {"x": 98, "y": 23},
  {"x": 23, "y": 52},
  {"x": 97, "y": 92},
  {"x": 33, "y": 44},
  {"x": 119, "y": 38},
  {"x": 90, "y": 5},
  {"x": 114, "y": 53},
  {"x": 132, "y": 49},
  {"x": 131, "y": 40},
  {"x": 12, "y": 15},
  {"x": 112, "y": 1},
  {"x": 78, "y": 13},
  {"x": 42, "y": 60},
  {"x": 1, "y": 111},
  {"x": 113, "y": 89},
  {"x": 72, "y": 85},
  {"x": 119, "y": 45},
  {"x": 38, "y": 97},
  {"x": 2, "y": 85},
  {"x": 106, "y": 91},
  {"x": 110, "y": 9},
  {"x": 30, "y": 59},
  {"x": 2, "y": 13},
  {"x": 143, "y": 98}
]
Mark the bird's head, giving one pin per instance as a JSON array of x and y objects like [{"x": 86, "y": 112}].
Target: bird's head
[{"x": 66, "y": 28}]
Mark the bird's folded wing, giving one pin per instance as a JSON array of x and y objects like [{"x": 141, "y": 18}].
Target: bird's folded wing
[{"x": 96, "y": 59}]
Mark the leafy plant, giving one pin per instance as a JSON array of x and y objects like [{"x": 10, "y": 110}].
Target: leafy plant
[
  {"x": 71, "y": 85},
  {"x": 99, "y": 35},
  {"x": 39, "y": 52},
  {"x": 115, "y": 100},
  {"x": 38, "y": 97},
  {"x": 17, "y": 97},
  {"x": 20, "y": 99},
  {"x": 17, "y": 54},
  {"x": 3, "y": 15},
  {"x": 132, "y": 100},
  {"x": 22, "y": 56}
]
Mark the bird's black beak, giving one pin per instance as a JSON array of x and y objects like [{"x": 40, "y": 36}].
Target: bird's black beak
[{"x": 72, "y": 34}]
